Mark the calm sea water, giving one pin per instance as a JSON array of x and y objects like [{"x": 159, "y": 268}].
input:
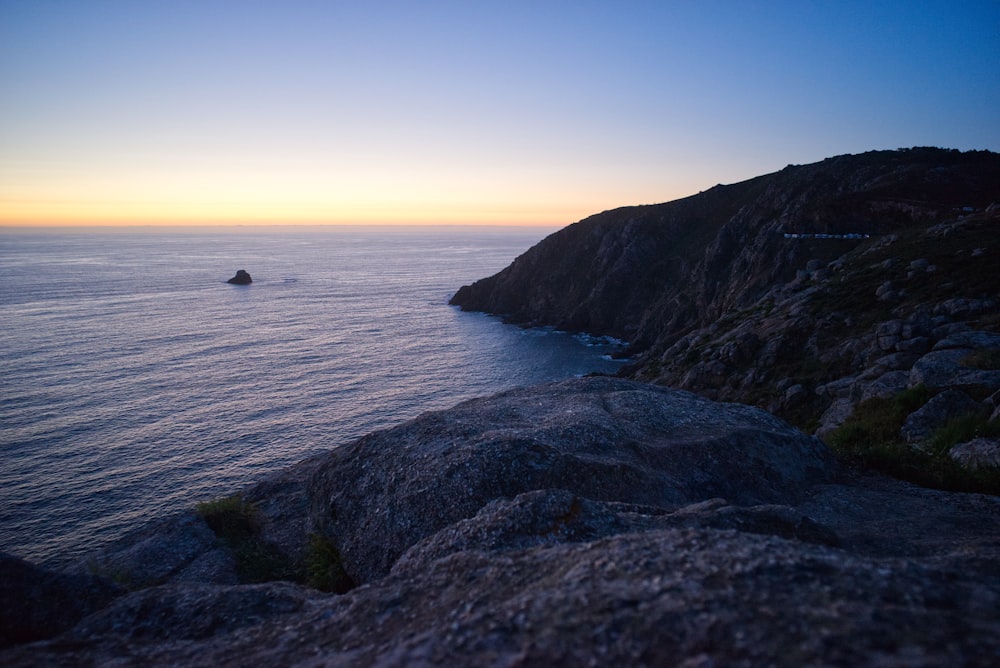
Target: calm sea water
[{"x": 136, "y": 382}]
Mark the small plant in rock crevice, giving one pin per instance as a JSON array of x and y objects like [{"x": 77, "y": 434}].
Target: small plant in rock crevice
[
  {"x": 237, "y": 523},
  {"x": 325, "y": 568}
]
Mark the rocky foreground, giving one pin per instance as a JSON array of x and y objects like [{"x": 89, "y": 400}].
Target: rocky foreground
[{"x": 597, "y": 521}]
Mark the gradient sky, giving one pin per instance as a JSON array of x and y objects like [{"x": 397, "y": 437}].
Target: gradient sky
[{"x": 537, "y": 112}]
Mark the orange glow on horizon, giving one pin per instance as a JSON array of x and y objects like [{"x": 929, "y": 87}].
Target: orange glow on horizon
[
  {"x": 85, "y": 214},
  {"x": 227, "y": 198}
]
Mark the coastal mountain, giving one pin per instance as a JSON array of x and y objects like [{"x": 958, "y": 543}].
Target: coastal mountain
[
  {"x": 649, "y": 274},
  {"x": 797, "y": 291}
]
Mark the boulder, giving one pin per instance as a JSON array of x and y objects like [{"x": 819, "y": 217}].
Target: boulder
[
  {"x": 960, "y": 307},
  {"x": 178, "y": 548},
  {"x": 918, "y": 345},
  {"x": 977, "y": 453},
  {"x": 591, "y": 522},
  {"x": 241, "y": 278},
  {"x": 842, "y": 388},
  {"x": 969, "y": 339},
  {"x": 604, "y": 439},
  {"x": 171, "y": 613},
  {"x": 944, "y": 368},
  {"x": 888, "y": 334},
  {"x": 481, "y": 593},
  {"x": 935, "y": 413},
  {"x": 834, "y": 416},
  {"x": 888, "y": 384},
  {"x": 892, "y": 362}
]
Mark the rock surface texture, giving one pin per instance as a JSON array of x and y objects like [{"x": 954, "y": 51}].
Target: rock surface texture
[{"x": 597, "y": 521}]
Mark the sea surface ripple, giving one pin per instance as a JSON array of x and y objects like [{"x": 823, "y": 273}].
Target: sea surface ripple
[{"x": 135, "y": 382}]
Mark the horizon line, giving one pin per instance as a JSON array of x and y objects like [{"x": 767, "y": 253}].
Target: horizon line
[{"x": 14, "y": 227}]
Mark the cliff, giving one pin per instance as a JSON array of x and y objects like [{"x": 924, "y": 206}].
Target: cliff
[
  {"x": 649, "y": 274},
  {"x": 807, "y": 292}
]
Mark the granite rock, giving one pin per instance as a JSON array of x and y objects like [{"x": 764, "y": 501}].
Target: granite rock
[
  {"x": 604, "y": 439},
  {"x": 592, "y": 522}
]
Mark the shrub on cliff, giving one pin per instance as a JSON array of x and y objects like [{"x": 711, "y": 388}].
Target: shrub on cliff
[{"x": 871, "y": 438}]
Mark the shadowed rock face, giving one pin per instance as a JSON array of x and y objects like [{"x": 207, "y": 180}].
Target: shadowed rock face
[
  {"x": 596, "y": 520},
  {"x": 35, "y": 603},
  {"x": 805, "y": 292}
]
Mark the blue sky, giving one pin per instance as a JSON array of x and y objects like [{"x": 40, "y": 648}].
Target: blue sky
[{"x": 462, "y": 112}]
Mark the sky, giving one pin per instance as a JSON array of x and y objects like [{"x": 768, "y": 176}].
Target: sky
[{"x": 539, "y": 112}]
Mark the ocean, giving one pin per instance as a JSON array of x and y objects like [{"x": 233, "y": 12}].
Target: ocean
[{"x": 136, "y": 382}]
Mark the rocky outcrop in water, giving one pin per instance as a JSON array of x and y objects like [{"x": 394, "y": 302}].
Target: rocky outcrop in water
[
  {"x": 241, "y": 278},
  {"x": 594, "y": 521}
]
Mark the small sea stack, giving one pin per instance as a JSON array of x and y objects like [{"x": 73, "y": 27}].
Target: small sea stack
[{"x": 241, "y": 278}]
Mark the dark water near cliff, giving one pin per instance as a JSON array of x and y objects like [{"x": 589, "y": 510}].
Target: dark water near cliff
[{"x": 135, "y": 381}]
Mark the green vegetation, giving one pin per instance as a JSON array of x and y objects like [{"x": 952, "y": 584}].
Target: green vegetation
[
  {"x": 957, "y": 273},
  {"x": 237, "y": 523},
  {"x": 961, "y": 429},
  {"x": 324, "y": 567},
  {"x": 232, "y": 518},
  {"x": 878, "y": 420},
  {"x": 871, "y": 439}
]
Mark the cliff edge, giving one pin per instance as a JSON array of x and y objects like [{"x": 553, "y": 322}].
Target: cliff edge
[{"x": 649, "y": 274}]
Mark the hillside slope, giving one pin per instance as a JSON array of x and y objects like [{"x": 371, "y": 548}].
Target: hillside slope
[
  {"x": 649, "y": 274},
  {"x": 815, "y": 292}
]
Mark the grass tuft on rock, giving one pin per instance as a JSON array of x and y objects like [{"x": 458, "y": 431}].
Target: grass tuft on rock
[
  {"x": 870, "y": 438},
  {"x": 236, "y": 522},
  {"x": 231, "y": 518},
  {"x": 325, "y": 568},
  {"x": 961, "y": 429}
]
